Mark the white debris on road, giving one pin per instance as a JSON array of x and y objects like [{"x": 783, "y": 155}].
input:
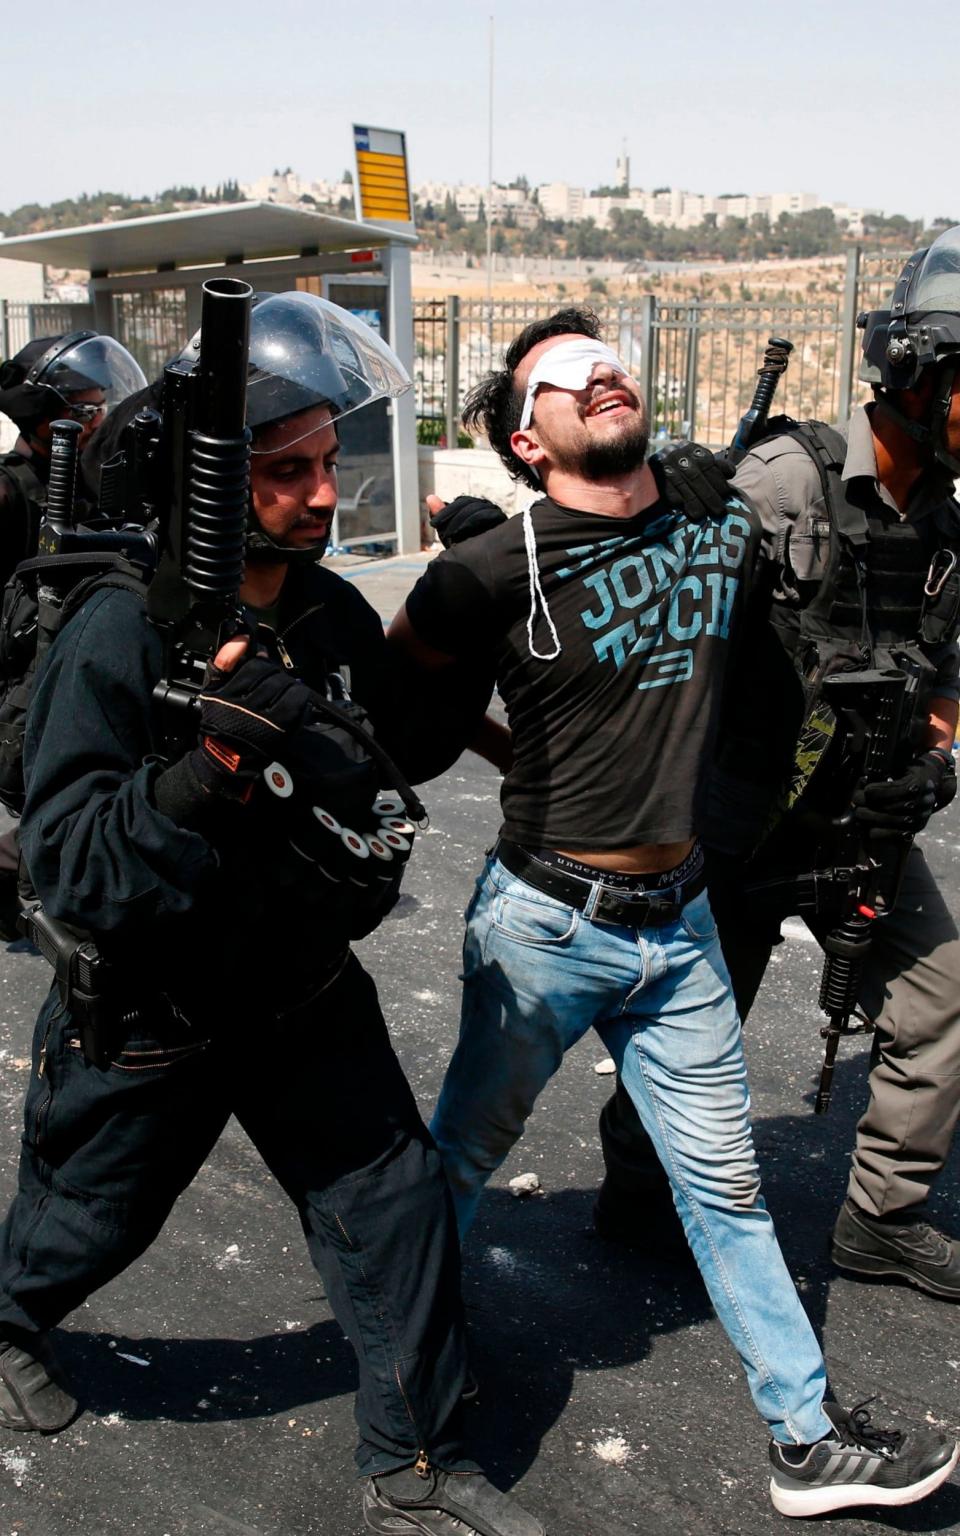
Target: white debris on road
[
  {"x": 613, "y": 1450},
  {"x": 606, "y": 1067},
  {"x": 525, "y": 1184},
  {"x": 502, "y": 1258},
  {"x": 17, "y": 1464},
  {"x": 229, "y": 1257}
]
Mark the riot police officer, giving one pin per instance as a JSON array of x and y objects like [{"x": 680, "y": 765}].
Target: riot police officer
[
  {"x": 863, "y": 546},
  {"x": 236, "y": 990},
  {"x": 79, "y": 376}
]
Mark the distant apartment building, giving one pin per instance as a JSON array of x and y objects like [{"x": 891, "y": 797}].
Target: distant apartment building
[
  {"x": 557, "y": 200},
  {"x": 288, "y": 187},
  {"x": 504, "y": 202}
]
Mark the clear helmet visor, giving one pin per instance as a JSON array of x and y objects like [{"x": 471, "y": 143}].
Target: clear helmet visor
[
  {"x": 305, "y": 351},
  {"x": 96, "y": 365},
  {"x": 937, "y": 283}
]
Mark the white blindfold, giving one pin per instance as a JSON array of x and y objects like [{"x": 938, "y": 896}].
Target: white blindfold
[{"x": 569, "y": 366}]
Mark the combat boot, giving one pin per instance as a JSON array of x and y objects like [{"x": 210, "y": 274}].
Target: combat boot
[
  {"x": 423, "y": 1499},
  {"x": 909, "y": 1249},
  {"x": 33, "y": 1391}
]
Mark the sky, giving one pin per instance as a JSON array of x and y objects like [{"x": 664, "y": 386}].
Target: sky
[{"x": 851, "y": 100}]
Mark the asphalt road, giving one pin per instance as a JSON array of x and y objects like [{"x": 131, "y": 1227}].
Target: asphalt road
[{"x": 219, "y": 1389}]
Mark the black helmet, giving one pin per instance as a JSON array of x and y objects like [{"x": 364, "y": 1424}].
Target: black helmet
[
  {"x": 37, "y": 384},
  {"x": 305, "y": 351},
  {"x": 920, "y": 331}
]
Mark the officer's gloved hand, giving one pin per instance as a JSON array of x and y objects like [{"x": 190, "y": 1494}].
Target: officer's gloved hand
[
  {"x": 463, "y": 518},
  {"x": 696, "y": 481},
  {"x": 247, "y": 716},
  {"x": 907, "y": 803}
]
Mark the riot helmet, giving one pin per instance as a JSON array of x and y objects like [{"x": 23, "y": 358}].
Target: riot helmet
[
  {"x": 44, "y": 379},
  {"x": 305, "y": 351},
  {"x": 919, "y": 332}
]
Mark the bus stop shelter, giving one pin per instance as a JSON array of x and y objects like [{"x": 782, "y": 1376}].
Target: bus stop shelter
[{"x": 145, "y": 279}]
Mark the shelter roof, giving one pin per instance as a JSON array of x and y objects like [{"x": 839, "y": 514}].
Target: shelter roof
[{"x": 199, "y": 237}]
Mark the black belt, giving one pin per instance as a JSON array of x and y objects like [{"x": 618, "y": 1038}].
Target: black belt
[{"x": 601, "y": 903}]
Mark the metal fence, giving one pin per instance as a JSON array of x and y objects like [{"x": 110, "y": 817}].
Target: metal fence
[
  {"x": 151, "y": 325},
  {"x": 696, "y": 361},
  {"x": 21, "y": 321}
]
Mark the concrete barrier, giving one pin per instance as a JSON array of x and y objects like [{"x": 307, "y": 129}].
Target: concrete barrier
[{"x": 450, "y": 472}]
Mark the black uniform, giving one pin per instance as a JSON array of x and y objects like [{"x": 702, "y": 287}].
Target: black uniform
[
  {"x": 23, "y": 497},
  {"x": 242, "y": 996}
]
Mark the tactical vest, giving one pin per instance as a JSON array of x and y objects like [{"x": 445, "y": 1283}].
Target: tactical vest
[{"x": 890, "y": 593}]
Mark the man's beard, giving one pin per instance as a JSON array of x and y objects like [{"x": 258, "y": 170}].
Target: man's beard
[{"x": 608, "y": 458}]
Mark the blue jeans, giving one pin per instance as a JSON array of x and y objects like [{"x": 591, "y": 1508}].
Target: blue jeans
[{"x": 537, "y": 976}]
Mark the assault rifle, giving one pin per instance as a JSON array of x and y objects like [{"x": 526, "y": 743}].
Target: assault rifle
[
  {"x": 870, "y": 706},
  {"x": 866, "y": 718},
  {"x": 753, "y": 423}
]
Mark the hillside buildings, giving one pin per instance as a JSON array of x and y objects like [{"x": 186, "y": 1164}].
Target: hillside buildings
[
  {"x": 663, "y": 205},
  {"x": 525, "y": 207}
]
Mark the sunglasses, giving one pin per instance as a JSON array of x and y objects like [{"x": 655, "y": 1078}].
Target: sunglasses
[
  {"x": 82, "y": 411},
  {"x": 77, "y": 410}
]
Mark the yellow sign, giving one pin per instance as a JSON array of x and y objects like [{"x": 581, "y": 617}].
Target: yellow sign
[{"x": 383, "y": 186}]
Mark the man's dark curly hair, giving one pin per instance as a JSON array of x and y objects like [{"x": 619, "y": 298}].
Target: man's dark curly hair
[{"x": 495, "y": 405}]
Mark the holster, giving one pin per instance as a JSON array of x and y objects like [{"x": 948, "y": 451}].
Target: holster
[{"x": 83, "y": 979}]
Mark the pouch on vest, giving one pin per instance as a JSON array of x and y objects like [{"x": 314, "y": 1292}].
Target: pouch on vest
[{"x": 26, "y": 634}]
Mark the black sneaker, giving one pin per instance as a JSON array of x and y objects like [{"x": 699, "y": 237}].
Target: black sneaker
[
  {"x": 439, "y": 1503},
  {"x": 858, "y": 1464},
  {"x": 910, "y": 1250},
  {"x": 33, "y": 1390}
]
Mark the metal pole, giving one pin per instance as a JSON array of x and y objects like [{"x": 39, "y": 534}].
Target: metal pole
[
  {"x": 690, "y": 386},
  {"x": 848, "y": 335},
  {"x": 648, "y": 308},
  {"x": 4, "y": 331},
  {"x": 403, "y": 411},
  {"x": 452, "y": 373},
  {"x": 490, "y": 183}
]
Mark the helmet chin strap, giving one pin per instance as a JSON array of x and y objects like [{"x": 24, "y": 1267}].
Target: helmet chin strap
[
  {"x": 930, "y": 435},
  {"x": 262, "y": 549}
]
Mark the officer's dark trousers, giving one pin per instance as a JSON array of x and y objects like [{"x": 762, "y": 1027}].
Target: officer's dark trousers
[
  {"x": 911, "y": 989},
  {"x": 322, "y": 1096}
]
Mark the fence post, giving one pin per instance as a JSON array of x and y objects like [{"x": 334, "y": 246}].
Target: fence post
[
  {"x": 690, "y": 386},
  {"x": 4, "y": 331},
  {"x": 648, "y": 307},
  {"x": 451, "y": 381},
  {"x": 848, "y": 343}
]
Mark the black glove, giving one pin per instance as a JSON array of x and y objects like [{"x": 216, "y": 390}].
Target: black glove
[
  {"x": 906, "y": 804},
  {"x": 247, "y": 717},
  {"x": 695, "y": 481},
  {"x": 465, "y": 517}
]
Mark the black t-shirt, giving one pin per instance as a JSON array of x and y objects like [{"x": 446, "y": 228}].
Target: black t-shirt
[{"x": 613, "y": 735}]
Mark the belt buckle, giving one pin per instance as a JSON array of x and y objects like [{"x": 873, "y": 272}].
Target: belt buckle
[{"x": 618, "y": 900}]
